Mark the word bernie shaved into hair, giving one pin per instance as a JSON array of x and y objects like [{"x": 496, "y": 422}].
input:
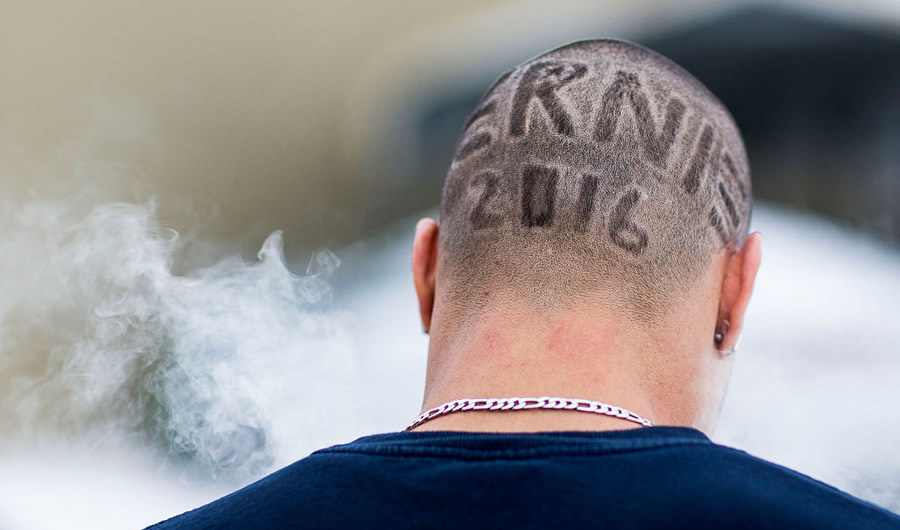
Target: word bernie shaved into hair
[{"x": 600, "y": 168}]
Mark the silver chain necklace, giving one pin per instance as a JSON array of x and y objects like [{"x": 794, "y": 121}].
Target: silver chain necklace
[{"x": 520, "y": 403}]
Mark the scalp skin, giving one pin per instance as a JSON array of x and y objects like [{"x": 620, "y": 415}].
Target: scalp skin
[{"x": 598, "y": 170}]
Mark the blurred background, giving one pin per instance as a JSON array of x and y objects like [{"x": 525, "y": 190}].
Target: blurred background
[{"x": 207, "y": 209}]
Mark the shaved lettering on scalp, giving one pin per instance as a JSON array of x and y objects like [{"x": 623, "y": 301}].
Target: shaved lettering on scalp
[{"x": 599, "y": 170}]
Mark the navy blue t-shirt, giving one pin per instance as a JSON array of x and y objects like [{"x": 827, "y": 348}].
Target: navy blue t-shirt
[{"x": 654, "y": 477}]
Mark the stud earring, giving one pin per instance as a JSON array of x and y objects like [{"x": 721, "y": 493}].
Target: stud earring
[{"x": 719, "y": 337}]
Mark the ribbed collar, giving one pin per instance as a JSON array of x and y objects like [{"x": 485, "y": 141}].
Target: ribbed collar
[{"x": 506, "y": 444}]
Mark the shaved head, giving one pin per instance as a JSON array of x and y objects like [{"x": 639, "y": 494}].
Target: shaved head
[{"x": 598, "y": 171}]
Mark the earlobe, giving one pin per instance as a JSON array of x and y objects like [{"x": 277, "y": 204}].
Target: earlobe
[
  {"x": 737, "y": 288},
  {"x": 424, "y": 267}
]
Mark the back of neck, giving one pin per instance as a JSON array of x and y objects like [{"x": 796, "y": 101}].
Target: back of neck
[{"x": 529, "y": 353}]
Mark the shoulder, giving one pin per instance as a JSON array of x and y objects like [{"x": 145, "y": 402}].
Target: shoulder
[{"x": 735, "y": 481}]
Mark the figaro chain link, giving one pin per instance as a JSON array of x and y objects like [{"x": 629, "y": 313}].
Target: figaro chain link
[{"x": 520, "y": 403}]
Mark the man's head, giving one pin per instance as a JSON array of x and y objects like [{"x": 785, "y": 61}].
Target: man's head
[{"x": 598, "y": 175}]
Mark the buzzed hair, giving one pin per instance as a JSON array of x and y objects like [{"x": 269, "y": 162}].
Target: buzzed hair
[{"x": 599, "y": 170}]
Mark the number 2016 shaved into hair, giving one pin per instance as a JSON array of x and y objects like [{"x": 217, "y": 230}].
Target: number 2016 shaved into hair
[{"x": 599, "y": 169}]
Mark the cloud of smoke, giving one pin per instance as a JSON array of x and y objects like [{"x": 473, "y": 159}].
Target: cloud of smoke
[{"x": 223, "y": 369}]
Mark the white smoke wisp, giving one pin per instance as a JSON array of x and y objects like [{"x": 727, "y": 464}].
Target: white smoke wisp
[{"x": 222, "y": 370}]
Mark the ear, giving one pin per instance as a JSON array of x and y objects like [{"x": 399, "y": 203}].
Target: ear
[
  {"x": 737, "y": 286},
  {"x": 424, "y": 267}
]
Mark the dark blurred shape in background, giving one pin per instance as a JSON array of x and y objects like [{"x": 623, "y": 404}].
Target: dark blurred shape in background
[{"x": 818, "y": 101}]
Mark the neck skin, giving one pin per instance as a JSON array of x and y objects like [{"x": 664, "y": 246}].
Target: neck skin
[
  {"x": 583, "y": 352},
  {"x": 670, "y": 371}
]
